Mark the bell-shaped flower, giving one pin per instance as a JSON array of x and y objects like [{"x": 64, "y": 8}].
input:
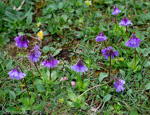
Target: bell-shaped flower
[
  {"x": 109, "y": 52},
  {"x": 35, "y": 54},
  {"x": 50, "y": 62},
  {"x": 125, "y": 22},
  {"x": 133, "y": 42},
  {"x": 116, "y": 10},
  {"x": 119, "y": 83},
  {"x": 79, "y": 67},
  {"x": 101, "y": 37},
  {"x": 16, "y": 74},
  {"x": 21, "y": 41}
]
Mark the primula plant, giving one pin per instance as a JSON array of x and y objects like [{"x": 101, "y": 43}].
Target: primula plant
[
  {"x": 116, "y": 12},
  {"x": 50, "y": 62},
  {"x": 109, "y": 52},
  {"x": 134, "y": 42},
  {"x": 79, "y": 67},
  {"x": 74, "y": 57},
  {"x": 125, "y": 22}
]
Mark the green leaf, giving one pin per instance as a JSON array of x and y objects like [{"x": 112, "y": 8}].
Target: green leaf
[
  {"x": 40, "y": 87},
  {"x": 132, "y": 64},
  {"x": 146, "y": 52},
  {"x": 60, "y": 5},
  {"x": 86, "y": 83},
  {"x": 147, "y": 64},
  {"x": 102, "y": 76},
  {"x": 122, "y": 72},
  {"x": 64, "y": 17},
  {"x": 11, "y": 15},
  {"x": 12, "y": 95},
  {"x": 147, "y": 86},
  {"x": 134, "y": 112},
  {"x": 25, "y": 101},
  {"x": 57, "y": 52},
  {"x": 8, "y": 63},
  {"x": 71, "y": 95},
  {"x": 46, "y": 49},
  {"x": 107, "y": 98},
  {"x": 70, "y": 103},
  {"x": 129, "y": 92},
  {"x": 11, "y": 109},
  {"x": 21, "y": 33},
  {"x": 29, "y": 18},
  {"x": 54, "y": 75}
]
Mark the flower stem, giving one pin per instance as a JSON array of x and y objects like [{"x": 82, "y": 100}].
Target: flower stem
[
  {"x": 37, "y": 69},
  {"x": 82, "y": 78},
  {"x": 105, "y": 44},
  {"x": 25, "y": 84},
  {"x": 27, "y": 89},
  {"x": 32, "y": 77},
  {"x": 135, "y": 56},
  {"x": 127, "y": 32},
  {"x": 50, "y": 73},
  {"x": 109, "y": 68},
  {"x": 116, "y": 21}
]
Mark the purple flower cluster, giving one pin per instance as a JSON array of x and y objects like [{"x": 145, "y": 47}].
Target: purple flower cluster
[
  {"x": 119, "y": 85},
  {"x": 15, "y": 73},
  {"x": 50, "y": 62},
  {"x": 79, "y": 67},
  {"x": 21, "y": 41},
  {"x": 109, "y": 52},
  {"x": 35, "y": 54},
  {"x": 116, "y": 10},
  {"x": 133, "y": 42},
  {"x": 125, "y": 21},
  {"x": 101, "y": 37}
]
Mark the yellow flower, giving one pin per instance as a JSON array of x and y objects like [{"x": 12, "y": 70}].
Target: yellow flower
[
  {"x": 61, "y": 100},
  {"x": 121, "y": 59},
  {"x": 116, "y": 59},
  {"x": 87, "y": 2},
  {"x": 40, "y": 34},
  {"x": 22, "y": 85},
  {"x": 38, "y": 24}
]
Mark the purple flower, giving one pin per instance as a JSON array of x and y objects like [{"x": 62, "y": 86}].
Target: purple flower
[
  {"x": 34, "y": 54},
  {"x": 133, "y": 42},
  {"x": 109, "y": 52},
  {"x": 116, "y": 10},
  {"x": 79, "y": 67},
  {"x": 125, "y": 22},
  {"x": 21, "y": 41},
  {"x": 15, "y": 73},
  {"x": 50, "y": 62},
  {"x": 101, "y": 37},
  {"x": 119, "y": 85}
]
